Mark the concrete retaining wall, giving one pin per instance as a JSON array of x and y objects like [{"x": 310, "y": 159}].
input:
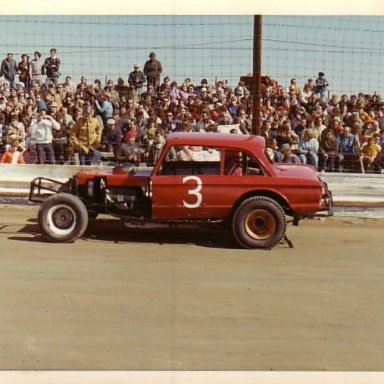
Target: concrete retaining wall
[{"x": 351, "y": 192}]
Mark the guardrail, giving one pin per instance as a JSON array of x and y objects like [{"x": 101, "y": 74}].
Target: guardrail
[{"x": 351, "y": 192}]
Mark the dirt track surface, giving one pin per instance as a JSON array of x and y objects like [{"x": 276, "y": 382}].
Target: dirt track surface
[{"x": 188, "y": 299}]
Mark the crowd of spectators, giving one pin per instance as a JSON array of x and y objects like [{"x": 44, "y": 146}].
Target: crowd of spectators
[{"x": 47, "y": 118}]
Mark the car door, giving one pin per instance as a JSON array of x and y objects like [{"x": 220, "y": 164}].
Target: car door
[{"x": 185, "y": 188}]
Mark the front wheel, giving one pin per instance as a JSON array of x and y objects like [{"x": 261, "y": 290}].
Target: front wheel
[
  {"x": 63, "y": 218},
  {"x": 259, "y": 222}
]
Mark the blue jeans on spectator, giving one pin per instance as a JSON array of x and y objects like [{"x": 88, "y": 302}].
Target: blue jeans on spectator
[
  {"x": 92, "y": 157},
  {"x": 310, "y": 158},
  {"x": 45, "y": 153}
]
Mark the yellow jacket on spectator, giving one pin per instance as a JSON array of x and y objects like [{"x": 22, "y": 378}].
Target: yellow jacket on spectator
[
  {"x": 371, "y": 149},
  {"x": 86, "y": 134}
]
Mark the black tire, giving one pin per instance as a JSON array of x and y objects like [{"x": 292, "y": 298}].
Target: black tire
[
  {"x": 63, "y": 218},
  {"x": 259, "y": 222}
]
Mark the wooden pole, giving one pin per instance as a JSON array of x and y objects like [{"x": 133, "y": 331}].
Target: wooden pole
[{"x": 256, "y": 92}]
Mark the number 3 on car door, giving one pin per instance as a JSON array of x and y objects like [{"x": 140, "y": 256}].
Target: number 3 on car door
[{"x": 194, "y": 191}]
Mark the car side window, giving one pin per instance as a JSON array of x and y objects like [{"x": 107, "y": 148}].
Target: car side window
[
  {"x": 191, "y": 160},
  {"x": 238, "y": 163},
  {"x": 252, "y": 166},
  {"x": 233, "y": 163}
]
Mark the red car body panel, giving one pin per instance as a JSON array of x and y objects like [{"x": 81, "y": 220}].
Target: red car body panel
[{"x": 200, "y": 197}]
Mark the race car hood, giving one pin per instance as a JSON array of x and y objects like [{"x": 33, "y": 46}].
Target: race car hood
[
  {"x": 296, "y": 171},
  {"x": 117, "y": 176}
]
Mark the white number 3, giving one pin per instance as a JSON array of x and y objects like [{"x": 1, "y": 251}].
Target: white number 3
[{"x": 194, "y": 191}]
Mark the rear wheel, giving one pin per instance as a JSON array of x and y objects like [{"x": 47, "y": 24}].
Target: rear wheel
[
  {"x": 63, "y": 218},
  {"x": 259, "y": 222}
]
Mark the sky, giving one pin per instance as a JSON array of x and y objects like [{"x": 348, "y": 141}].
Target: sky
[{"x": 348, "y": 48}]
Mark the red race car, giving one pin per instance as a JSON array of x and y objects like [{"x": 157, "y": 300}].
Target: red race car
[{"x": 198, "y": 178}]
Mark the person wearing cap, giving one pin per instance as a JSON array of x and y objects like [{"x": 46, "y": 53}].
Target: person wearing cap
[
  {"x": 36, "y": 68},
  {"x": 52, "y": 67},
  {"x": 53, "y": 109},
  {"x": 41, "y": 135},
  {"x": 152, "y": 70},
  {"x": 204, "y": 95},
  {"x": 137, "y": 79},
  {"x": 9, "y": 69},
  {"x": 85, "y": 136},
  {"x": 111, "y": 138}
]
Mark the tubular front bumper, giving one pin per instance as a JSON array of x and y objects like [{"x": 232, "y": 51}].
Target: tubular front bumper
[{"x": 42, "y": 187}]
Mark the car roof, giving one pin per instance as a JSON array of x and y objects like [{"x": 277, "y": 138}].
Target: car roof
[{"x": 216, "y": 139}]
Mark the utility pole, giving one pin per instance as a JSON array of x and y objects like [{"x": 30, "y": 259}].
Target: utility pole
[{"x": 256, "y": 81}]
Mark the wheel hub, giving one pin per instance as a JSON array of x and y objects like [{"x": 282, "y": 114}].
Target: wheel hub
[
  {"x": 63, "y": 218},
  {"x": 260, "y": 224}
]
